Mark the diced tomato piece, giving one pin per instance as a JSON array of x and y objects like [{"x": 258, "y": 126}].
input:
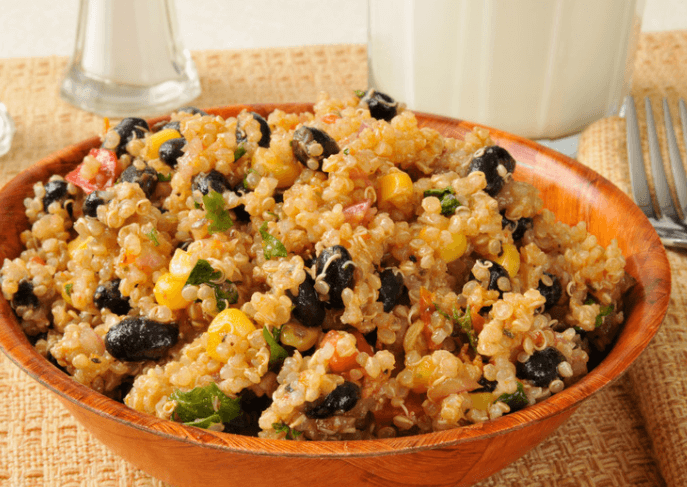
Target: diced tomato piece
[
  {"x": 340, "y": 364},
  {"x": 107, "y": 173},
  {"x": 330, "y": 118}
]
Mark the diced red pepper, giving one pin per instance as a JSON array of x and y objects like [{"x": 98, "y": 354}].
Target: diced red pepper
[{"x": 104, "y": 178}]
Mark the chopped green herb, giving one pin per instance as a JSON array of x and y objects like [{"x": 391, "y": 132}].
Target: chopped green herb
[
  {"x": 517, "y": 400},
  {"x": 204, "y": 407},
  {"x": 197, "y": 205},
  {"x": 152, "y": 235},
  {"x": 271, "y": 245},
  {"x": 68, "y": 289},
  {"x": 603, "y": 312},
  {"x": 359, "y": 93},
  {"x": 220, "y": 220},
  {"x": 277, "y": 352},
  {"x": 276, "y": 217},
  {"x": 291, "y": 434},
  {"x": 346, "y": 151},
  {"x": 204, "y": 273},
  {"x": 464, "y": 321},
  {"x": 164, "y": 179},
  {"x": 447, "y": 198},
  {"x": 239, "y": 153}
]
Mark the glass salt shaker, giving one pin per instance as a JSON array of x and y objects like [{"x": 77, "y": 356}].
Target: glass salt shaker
[{"x": 128, "y": 60}]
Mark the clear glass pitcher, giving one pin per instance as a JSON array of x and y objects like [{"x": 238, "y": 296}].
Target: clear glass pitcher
[{"x": 128, "y": 60}]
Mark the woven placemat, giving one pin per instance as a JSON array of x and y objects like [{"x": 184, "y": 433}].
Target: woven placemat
[{"x": 609, "y": 441}]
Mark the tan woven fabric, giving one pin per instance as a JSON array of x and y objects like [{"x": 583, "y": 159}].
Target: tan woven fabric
[{"x": 633, "y": 433}]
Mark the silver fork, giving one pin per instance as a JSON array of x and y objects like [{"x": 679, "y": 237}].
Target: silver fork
[{"x": 670, "y": 227}]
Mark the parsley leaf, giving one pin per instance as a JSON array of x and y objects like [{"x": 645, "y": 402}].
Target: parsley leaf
[
  {"x": 277, "y": 352},
  {"x": 204, "y": 273},
  {"x": 291, "y": 434},
  {"x": 245, "y": 180},
  {"x": 359, "y": 93},
  {"x": 220, "y": 220},
  {"x": 204, "y": 407},
  {"x": 68, "y": 289},
  {"x": 517, "y": 400},
  {"x": 152, "y": 235},
  {"x": 346, "y": 151},
  {"x": 239, "y": 152},
  {"x": 464, "y": 321},
  {"x": 271, "y": 245},
  {"x": 447, "y": 198},
  {"x": 603, "y": 312},
  {"x": 162, "y": 178}
]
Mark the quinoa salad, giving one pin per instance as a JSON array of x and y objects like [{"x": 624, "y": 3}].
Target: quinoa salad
[{"x": 336, "y": 275}]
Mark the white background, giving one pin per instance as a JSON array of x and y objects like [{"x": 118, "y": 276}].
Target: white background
[{"x": 47, "y": 27}]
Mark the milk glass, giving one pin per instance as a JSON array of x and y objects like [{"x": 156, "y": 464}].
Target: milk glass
[
  {"x": 542, "y": 69},
  {"x": 128, "y": 59}
]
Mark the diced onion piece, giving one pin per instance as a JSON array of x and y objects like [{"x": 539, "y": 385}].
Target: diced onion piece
[{"x": 182, "y": 264}]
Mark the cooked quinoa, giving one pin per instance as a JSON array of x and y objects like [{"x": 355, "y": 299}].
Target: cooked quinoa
[{"x": 342, "y": 274}]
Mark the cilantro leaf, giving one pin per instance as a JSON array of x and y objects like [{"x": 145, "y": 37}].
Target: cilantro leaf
[
  {"x": 204, "y": 407},
  {"x": 271, "y": 245},
  {"x": 517, "y": 400},
  {"x": 346, "y": 151},
  {"x": 162, "y": 178},
  {"x": 291, "y": 434},
  {"x": 464, "y": 321},
  {"x": 202, "y": 273},
  {"x": 447, "y": 198},
  {"x": 152, "y": 235},
  {"x": 239, "y": 152},
  {"x": 359, "y": 93},
  {"x": 603, "y": 312},
  {"x": 68, "y": 289},
  {"x": 220, "y": 220},
  {"x": 277, "y": 352},
  {"x": 245, "y": 180}
]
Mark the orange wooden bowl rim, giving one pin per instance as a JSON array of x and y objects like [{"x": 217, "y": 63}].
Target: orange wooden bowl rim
[{"x": 648, "y": 302}]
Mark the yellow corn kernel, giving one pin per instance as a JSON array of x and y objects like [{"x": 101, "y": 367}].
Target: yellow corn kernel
[
  {"x": 395, "y": 188},
  {"x": 509, "y": 259},
  {"x": 167, "y": 291},
  {"x": 159, "y": 138},
  {"x": 231, "y": 320},
  {"x": 482, "y": 400},
  {"x": 79, "y": 243},
  {"x": 298, "y": 336},
  {"x": 182, "y": 264},
  {"x": 286, "y": 171},
  {"x": 455, "y": 248},
  {"x": 422, "y": 374}
]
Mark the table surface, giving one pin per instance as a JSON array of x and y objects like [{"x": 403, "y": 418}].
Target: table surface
[{"x": 632, "y": 433}]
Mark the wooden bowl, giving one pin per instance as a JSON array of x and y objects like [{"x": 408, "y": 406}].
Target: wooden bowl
[{"x": 184, "y": 455}]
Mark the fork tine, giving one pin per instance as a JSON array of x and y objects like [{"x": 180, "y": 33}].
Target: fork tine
[
  {"x": 665, "y": 201},
  {"x": 675, "y": 159},
  {"x": 640, "y": 187}
]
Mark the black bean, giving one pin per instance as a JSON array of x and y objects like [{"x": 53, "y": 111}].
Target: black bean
[
  {"x": 488, "y": 161},
  {"x": 108, "y": 296},
  {"x": 381, "y": 105},
  {"x": 266, "y": 133},
  {"x": 192, "y": 111},
  {"x": 139, "y": 339},
  {"x": 517, "y": 227},
  {"x": 487, "y": 385},
  {"x": 92, "y": 202},
  {"x": 496, "y": 272},
  {"x": 304, "y": 138},
  {"x": 176, "y": 125},
  {"x": 336, "y": 268},
  {"x": 552, "y": 293},
  {"x": 392, "y": 288},
  {"x": 171, "y": 150},
  {"x": 210, "y": 181},
  {"x": 308, "y": 309},
  {"x": 542, "y": 367},
  {"x": 54, "y": 191},
  {"x": 24, "y": 295},
  {"x": 342, "y": 399},
  {"x": 146, "y": 178},
  {"x": 129, "y": 129}
]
